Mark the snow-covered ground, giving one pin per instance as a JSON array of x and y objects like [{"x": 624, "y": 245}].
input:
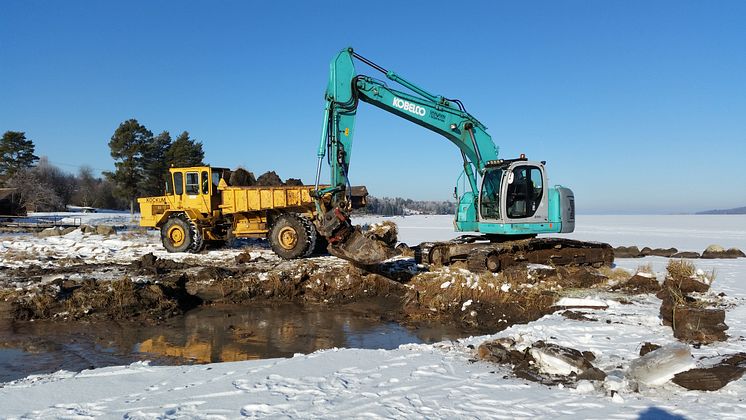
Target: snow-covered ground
[{"x": 439, "y": 380}]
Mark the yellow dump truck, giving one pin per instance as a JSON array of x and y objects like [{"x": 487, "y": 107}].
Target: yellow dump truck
[{"x": 200, "y": 208}]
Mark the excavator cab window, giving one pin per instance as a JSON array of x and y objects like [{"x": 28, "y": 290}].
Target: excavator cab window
[
  {"x": 215, "y": 181},
  {"x": 525, "y": 190},
  {"x": 489, "y": 200}
]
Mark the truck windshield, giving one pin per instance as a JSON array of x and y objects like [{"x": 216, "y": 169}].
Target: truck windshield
[{"x": 489, "y": 201}]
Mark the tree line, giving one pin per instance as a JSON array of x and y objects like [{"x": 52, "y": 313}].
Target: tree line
[
  {"x": 398, "y": 206},
  {"x": 141, "y": 162}
]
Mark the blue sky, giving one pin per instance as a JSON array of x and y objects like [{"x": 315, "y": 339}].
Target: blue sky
[{"x": 638, "y": 106}]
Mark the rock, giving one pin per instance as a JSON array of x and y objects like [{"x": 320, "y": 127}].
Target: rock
[
  {"x": 67, "y": 230},
  {"x": 646, "y": 251},
  {"x": 53, "y": 231},
  {"x": 269, "y": 179},
  {"x": 243, "y": 257},
  {"x": 685, "y": 254},
  {"x": 87, "y": 229},
  {"x": 659, "y": 366},
  {"x": 293, "y": 182},
  {"x": 627, "y": 252},
  {"x": 641, "y": 282},
  {"x": 660, "y": 252},
  {"x": 717, "y": 251},
  {"x": 648, "y": 347},
  {"x": 105, "y": 230}
]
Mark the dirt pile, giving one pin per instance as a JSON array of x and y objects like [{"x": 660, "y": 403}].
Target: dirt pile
[
  {"x": 492, "y": 302},
  {"x": 118, "y": 299},
  {"x": 691, "y": 319},
  {"x": 243, "y": 178}
]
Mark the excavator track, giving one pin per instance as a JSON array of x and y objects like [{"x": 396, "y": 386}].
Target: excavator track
[{"x": 484, "y": 256}]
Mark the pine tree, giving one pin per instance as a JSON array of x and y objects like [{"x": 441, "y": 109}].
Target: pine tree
[
  {"x": 185, "y": 152},
  {"x": 155, "y": 165},
  {"x": 16, "y": 152},
  {"x": 128, "y": 145}
]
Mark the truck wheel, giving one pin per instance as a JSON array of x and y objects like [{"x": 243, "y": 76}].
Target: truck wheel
[
  {"x": 176, "y": 235},
  {"x": 289, "y": 237}
]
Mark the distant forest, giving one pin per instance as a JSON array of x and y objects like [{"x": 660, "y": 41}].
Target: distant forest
[
  {"x": 737, "y": 210},
  {"x": 398, "y": 206}
]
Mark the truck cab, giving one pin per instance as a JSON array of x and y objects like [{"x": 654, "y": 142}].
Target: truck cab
[{"x": 194, "y": 188}]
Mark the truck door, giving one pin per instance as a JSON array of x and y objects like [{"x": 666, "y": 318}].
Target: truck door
[{"x": 197, "y": 191}]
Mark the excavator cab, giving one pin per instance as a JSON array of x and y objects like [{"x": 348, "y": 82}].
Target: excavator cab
[{"x": 514, "y": 200}]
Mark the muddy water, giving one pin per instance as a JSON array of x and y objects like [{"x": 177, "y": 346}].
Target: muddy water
[{"x": 203, "y": 335}]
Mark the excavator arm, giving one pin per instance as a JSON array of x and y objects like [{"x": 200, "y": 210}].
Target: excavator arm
[{"x": 345, "y": 89}]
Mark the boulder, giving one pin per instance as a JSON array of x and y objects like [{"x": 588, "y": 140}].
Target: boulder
[
  {"x": 661, "y": 252},
  {"x": 53, "y": 231},
  {"x": 685, "y": 254},
  {"x": 717, "y": 251},
  {"x": 67, "y": 230},
  {"x": 105, "y": 230},
  {"x": 87, "y": 229},
  {"x": 627, "y": 252},
  {"x": 647, "y": 347},
  {"x": 293, "y": 182},
  {"x": 646, "y": 251}
]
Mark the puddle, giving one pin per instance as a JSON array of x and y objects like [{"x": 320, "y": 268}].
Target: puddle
[{"x": 204, "y": 335}]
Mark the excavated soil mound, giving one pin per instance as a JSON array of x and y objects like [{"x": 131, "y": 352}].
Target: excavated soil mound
[
  {"x": 242, "y": 178},
  {"x": 269, "y": 179}
]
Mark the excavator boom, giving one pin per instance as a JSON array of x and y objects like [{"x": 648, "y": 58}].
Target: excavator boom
[{"x": 506, "y": 199}]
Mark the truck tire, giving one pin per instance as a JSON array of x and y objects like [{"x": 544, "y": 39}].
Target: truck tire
[
  {"x": 176, "y": 235},
  {"x": 289, "y": 236}
]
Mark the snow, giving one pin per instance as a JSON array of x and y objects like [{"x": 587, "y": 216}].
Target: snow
[
  {"x": 437, "y": 381},
  {"x": 581, "y": 302}
]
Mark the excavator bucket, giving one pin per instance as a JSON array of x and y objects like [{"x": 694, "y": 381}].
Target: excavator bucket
[{"x": 363, "y": 248}]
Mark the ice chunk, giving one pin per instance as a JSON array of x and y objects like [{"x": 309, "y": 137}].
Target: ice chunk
[
  {"x": 581, "y": 302},
  {"x": 659, "y": 366}
]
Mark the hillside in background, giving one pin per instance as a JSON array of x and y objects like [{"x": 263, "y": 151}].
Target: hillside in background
[
  {"x": 398, "y": 206},
  {"x": 737, "y": 210}
]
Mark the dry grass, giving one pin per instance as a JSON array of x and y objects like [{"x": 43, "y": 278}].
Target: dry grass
[
  {"x": 645, "y": 268},
  {"x": 616, "y": 274},
  {"x": 680, "y": 269}
]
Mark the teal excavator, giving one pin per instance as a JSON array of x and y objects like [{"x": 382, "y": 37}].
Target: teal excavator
[{"x": 503, "y": 203}]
